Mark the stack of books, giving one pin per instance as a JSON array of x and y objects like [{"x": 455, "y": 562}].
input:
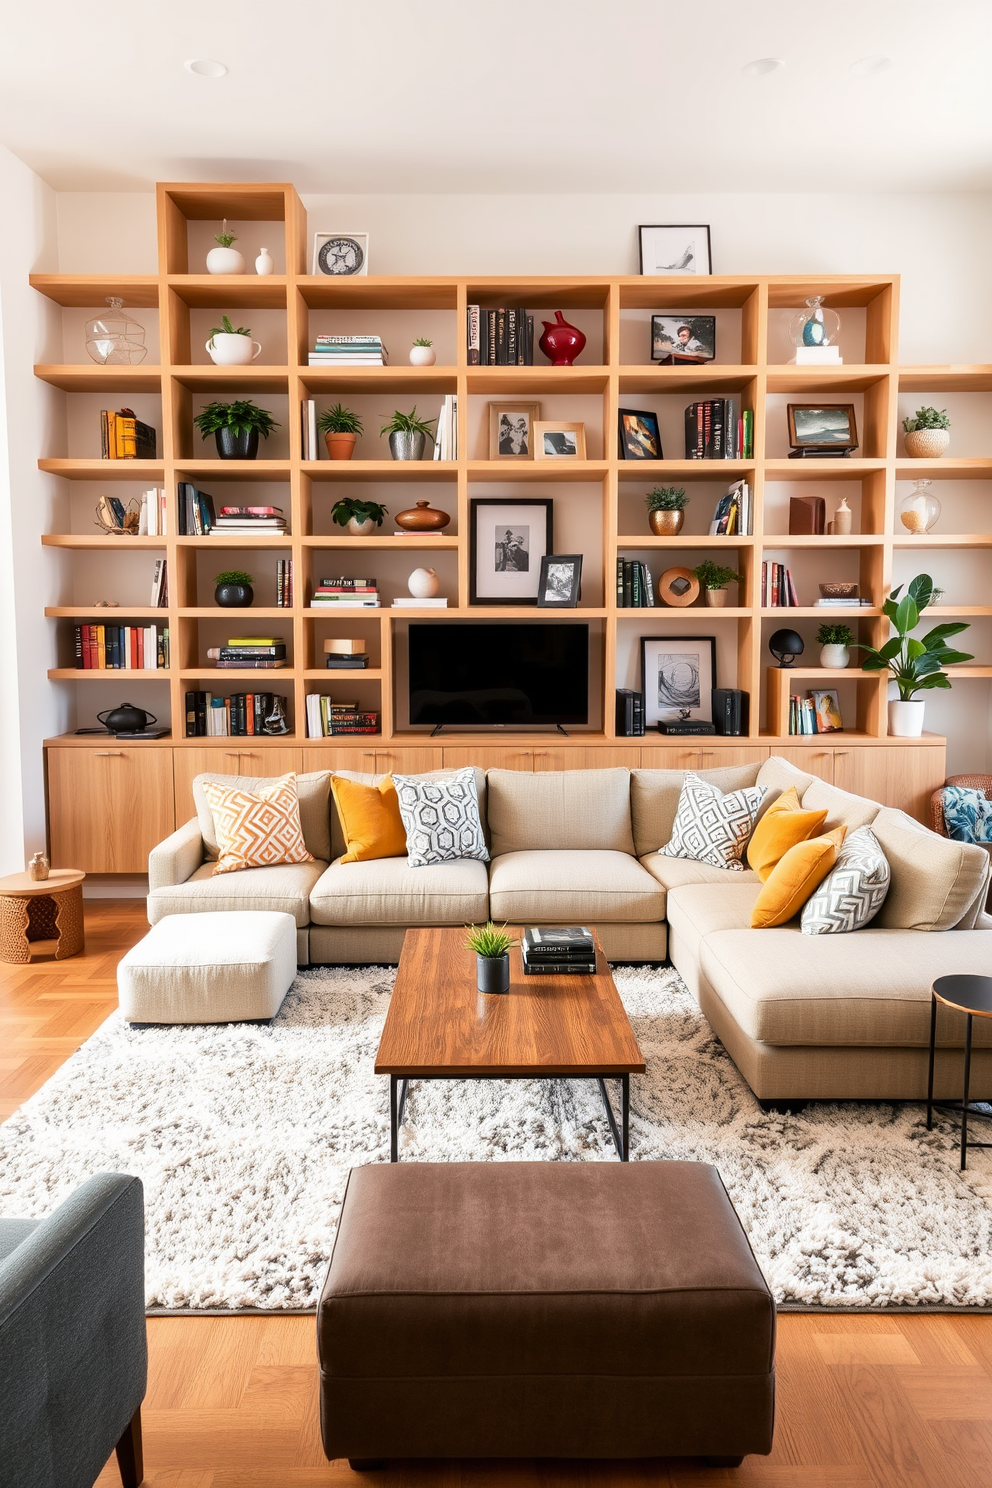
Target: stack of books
[
  {"x": 499, "y": 338},
  {"x": 326, "y": 718},
  {"x": 733, "y": 515},
  {"x": 568, "y": 949},
  {"x": 348, "y": 351},
  {"x": 635, "y": 586},
  {"x": 124, "y": 648},
  {"x": 258, "y": 653},
  {"x": 778, "y": 592},
  {"x": 341, "y": 593},
  {"x": 851, "y": 602},
  {"x": 124, "y": 437},
  {"x": 243, "y": 713},
  {"x": 242, "y": 520},
  {"x": 715, "y": 429},
  {"x": 345, "y": 651}
]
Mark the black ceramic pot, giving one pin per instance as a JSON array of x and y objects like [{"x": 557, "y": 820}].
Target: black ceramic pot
[
  {"x": 492, "y": 973},
  {"x": 234, "y": 596},
  {"x": 231, "y": 446}
]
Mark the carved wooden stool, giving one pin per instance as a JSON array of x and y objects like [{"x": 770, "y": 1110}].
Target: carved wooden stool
[{"x": 41, "y": 917}]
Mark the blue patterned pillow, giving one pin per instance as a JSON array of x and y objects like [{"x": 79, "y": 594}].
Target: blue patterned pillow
[
  {"x": 967, "y": 814},
  {"x": 441, "y": 818}
]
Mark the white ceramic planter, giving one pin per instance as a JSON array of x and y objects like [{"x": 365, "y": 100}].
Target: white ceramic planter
[
  {"x": 422, "y": 356},
  {"x": 906, "y": 719},
  {"x": 225, "y": 261},
  {"x": 365, "y": 528},
  {"x": 834, "y": 656},
  {"x": 232, "y": 351},
  {"x": 927, "y": 444},
  {"x": 423, "y": 583}
]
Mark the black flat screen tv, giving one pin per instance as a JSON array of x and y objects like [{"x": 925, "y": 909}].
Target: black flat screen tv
[{"x": 505, "y": 674}]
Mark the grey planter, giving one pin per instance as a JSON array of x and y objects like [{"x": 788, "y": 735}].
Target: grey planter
[
  {"x": 407, "y": 446},
  {"x": 492, "y": 973}
]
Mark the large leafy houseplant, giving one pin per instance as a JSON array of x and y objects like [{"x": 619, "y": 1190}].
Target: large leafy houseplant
[
  {"x": 236, "y": 427},
  {"x": 914, "y": 665}
]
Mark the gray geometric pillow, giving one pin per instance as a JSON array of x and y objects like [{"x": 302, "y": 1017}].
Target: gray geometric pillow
[
  {"x": 711, "y": 827},
  {"x": 441, "y": 818},
  {"x": 853, "y": 891}
]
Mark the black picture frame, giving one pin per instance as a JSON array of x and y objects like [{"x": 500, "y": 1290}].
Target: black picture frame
[
  {"x": 512, "y": 585},
  {"x": 656, "y": 711},
  {"x": 629, "y": 445},
  {"x": 549, "y": 592},
  {"x": 702, "y": 334},
  {"x": 681, "y": 236}
]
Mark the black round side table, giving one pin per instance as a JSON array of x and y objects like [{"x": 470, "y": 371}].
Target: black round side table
[{"x": 972, "y": 995}]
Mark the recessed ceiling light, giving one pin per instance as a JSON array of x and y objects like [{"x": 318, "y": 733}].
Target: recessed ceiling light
[
  {"x": 205, "y": 67},
  {"x": 762, "y": 66},
  {"x": 871, "y": 66}
]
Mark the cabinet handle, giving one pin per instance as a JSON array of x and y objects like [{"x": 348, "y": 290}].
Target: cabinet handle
[
  {"x": 108, "y": 753},
  {"x": 232, "y": 754},
  {"x": 368, "y": 754},
  {"x": 840, "y": 754},
  {"x": 706, "y": 753}
]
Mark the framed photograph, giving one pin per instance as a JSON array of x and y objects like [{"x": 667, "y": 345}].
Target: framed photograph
[
  {"x": 560, "y": 583},
  {"x": 511, "y": 430},
  {"x": 507, "y": 541},
  {"x": 340, "y": 254},
  {"x": 559, "y": 441},
  {"x": 683, "y": 338},
  {"x": 822, "y": 426},
  {"x": 675, "y": 249},
  {"x": 678, "y": 674},
  {"x": 826, "y": 707},
  {"x": 639, "y": 435}
]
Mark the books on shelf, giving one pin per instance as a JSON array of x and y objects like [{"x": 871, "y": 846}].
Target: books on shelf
[
  {"x": 446, "y": 436},
  {"x": 326, "y": 718},
  {"x": 408, "y": 602},
  {"x": 338, "y": 593},
  {"x": 348, "y": 351},
  {"x": 635, "y": 586},
  {"x": 843, "y": 604},
  {"x": 248, "y": 520},
  {"x": 259, "y": 653},
  {"x": 195, "y": 511},
  {"x": 284, "y": 584},
  {"x": 125, "y": 437},
  {"x": 151, "y": 513},
  {"x": 630, "y": 713},
  {"x": 777, "y": 589},
  {"x": 337, "y": 661},
  {"x": 717, "y": 429},
  {"x": 242, "y": 713},
  {"x": 499, "y": 338},
  {"x": 123, "y": 648},
  {"x": 816, "y": 713},
  {"x": 308, "y": 429},
  {"x": 160, "y": 585},
  {"x": 734, "y": 513}
]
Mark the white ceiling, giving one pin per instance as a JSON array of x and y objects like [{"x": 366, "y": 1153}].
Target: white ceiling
[{"x": 543, "y": 96}]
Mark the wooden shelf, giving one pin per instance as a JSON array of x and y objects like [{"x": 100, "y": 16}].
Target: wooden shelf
[
  {"x": 849, "y": 379},
  {"x": 381, "y": 470},
  {"x": 821, "y": 470},
  {"x": 236, "y": 540},
  {"x": 254, "y": 378},
  {"x": 81, "y": 291},
  {"x": 229, "y": 612},
  {"x": 407, "y": 381},
  {"x": 823, "y": 540},
  {"x": 412, "y": 540},
  {"x": 682, "y": 540},
  {"x": 944, "y": 540},
  {"x": 146, "y": 471},
  {"x": 109, "y": 674},
  {"x": 949, "y": 468},
  {"x": 96, "y": 540},
  {"x": 112, "y": 616},
  {"x": 240, "y": 674},
  {"x": 337, "y": 674},
  {"x": 814, "y": 612},
  {"x": 94, "y": 378}
]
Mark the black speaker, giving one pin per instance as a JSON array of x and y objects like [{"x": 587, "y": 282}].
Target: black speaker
[{"x": 730, "y": 711}]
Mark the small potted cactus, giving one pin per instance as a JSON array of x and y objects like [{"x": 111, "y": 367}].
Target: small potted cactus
[
  {"x": 666, "y": 509},
  {"x": 422, "y": 353},
  {"x": 927, "y": 434},
  {"x": 340, "y": 427},
  {"x": 224, "y": 259}
]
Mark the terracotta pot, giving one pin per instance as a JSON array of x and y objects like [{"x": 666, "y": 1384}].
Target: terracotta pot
[
  {"x": 561, "y": 342},
  {"x": 665, "y": 523},
  {"x": 340, "y": 446},
  {"x": 422, "y": 518},
  {"x": 716, "y": 598},
  {"x": 927, "y": 444}
]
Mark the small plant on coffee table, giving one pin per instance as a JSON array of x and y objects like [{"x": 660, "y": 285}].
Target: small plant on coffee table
[{"x": 489, "y": 941}]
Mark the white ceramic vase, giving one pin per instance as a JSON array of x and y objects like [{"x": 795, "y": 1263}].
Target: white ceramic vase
[
  {"x": 232, "y": 351},
  {"x": 834, "y": 656},
  {"x": 423, "y": 583},
  {"x": 225, "y": 261},
  {"x": 264, "y": 263},
  {"x": 906, "y": 719},
  {"x": 422, "y": 356}
]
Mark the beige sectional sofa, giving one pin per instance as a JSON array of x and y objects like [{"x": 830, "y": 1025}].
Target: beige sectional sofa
[{"x": 826, "y": 1016}]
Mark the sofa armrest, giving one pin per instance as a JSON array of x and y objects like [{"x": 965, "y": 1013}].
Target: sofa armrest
[{"x": 177, "y": 858}]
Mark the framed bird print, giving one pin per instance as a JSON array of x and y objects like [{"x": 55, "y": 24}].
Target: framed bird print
[{"x": 675, "y": 249}]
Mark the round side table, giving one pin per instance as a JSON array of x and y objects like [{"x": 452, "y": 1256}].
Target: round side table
[
  {"x": 972, "y": 995},
  {"x": 41, "y": 917}
]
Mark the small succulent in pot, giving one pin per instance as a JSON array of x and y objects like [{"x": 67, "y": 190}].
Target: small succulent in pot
[
  {"x": 422, "y": 353},
  {"x": 341, "y": 427},
  {"x": 408, "y": 434},
  {"x": 714, "y": 578},
  {"x": 491, "y": 944},
  {"x": 234, "y": 589},
  {"x": 225, "y": 259},
  {"x": 666, "y": 509},
  {"x": 236, "y": 427},
  {"x": 927, "y": 434},
  {"x": 358, "y": 517},
  {"x": 834, "y": 642},
  {"x": 231, "y": 346}
]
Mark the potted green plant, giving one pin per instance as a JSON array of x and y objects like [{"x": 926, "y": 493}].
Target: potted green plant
[
  {"x": 231, "y": 346},
  {"x": 926, "y": 433},
  {"x": 714, "y": 578},
  {"x": 422, "y": 353},
  {"x": 340, "y": 427},
  {"x": 408, "y": 435},
  {"x": 225, "y": 259},
  {"x": 236, "y": 427},
  {"x": 914, "y": 666},
  {"x": 234, "y": 589},
  {"x": 360, "y": 518},
  {"x": 491, "y": 944},
  {"x": 666, "y": 509},
  {"x": 834, "y": 641}
]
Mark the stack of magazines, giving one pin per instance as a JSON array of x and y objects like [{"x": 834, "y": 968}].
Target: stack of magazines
[{"x": 563, "y": 949}]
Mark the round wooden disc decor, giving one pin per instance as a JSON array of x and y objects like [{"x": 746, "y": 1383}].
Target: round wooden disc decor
[{"x": 678, "y": 586}]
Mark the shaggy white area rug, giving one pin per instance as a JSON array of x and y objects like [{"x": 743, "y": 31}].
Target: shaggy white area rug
[{"x": 243, "y": 1137}]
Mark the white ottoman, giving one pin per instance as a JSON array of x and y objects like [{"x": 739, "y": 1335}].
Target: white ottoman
[{"x": 221, "y": 967}]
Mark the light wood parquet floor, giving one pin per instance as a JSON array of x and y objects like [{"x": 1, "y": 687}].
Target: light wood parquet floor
[{"x": 863, "y": 1402}]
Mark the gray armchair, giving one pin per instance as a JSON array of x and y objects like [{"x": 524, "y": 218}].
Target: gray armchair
[{"x": 73, "y": 1354}]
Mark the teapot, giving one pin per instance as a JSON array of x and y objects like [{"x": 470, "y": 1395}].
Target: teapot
[{"x": 126, "y": 719}]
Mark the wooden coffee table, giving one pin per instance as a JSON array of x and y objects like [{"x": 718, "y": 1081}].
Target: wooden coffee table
[{"x": 440, "y": 1028}]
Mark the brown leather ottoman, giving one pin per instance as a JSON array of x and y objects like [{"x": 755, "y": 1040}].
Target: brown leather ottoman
[{"x": 543, "y": 1310}]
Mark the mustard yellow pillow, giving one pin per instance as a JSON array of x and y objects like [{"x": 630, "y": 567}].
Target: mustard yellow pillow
[
  {"x": 794, "y": 878},
  {"x": 257, "y": 829},
  {"x": 782, "y": 826},
  {"x": 370, "y": 819}
]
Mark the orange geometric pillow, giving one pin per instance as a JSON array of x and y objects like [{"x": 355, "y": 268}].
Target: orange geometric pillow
[{"x": 257, "y": 831}]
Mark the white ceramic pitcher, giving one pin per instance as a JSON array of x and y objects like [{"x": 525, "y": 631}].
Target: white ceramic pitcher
[{"x": 232, "y": 351}]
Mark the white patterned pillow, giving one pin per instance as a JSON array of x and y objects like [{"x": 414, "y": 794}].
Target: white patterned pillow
[
  {"x": 853, "y": 891},
  {"x": 441, "y": 818},
  {"x": 711, "y": 827}
]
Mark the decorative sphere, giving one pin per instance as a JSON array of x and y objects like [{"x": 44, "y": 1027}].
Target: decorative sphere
[
  {"x": 423, "y": 583},
  {"x": 785, "y": 646}
]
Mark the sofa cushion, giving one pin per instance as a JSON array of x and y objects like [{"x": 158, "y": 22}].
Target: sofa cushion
[
  {"x": 672, "y": 873},
  {"x": 369, "y": 816},
  {"x": 778, "y": 775},
  {"x": 387, "y": 891},
  {"x": 712, "y": 827},
  {"x": 573, "y": 887},
  {"x": 872, "y": 988},
  {"x": 441, "y": 818},
  {"x": 853, "y": 891},
  {"x": 581, "y": 810},
  {"x": 781, "y": 827},
  {"x": 286, "y": 888},
  {"x": 793, "y": 879},
  {"x": 697, "y": 909},
  {"x": 314, "y": 791},
  {"x": 654, "y": 800},
  {"x": 338, "y": 844},
  {"x": 842, "y": 808},
  {"x": 935, "y": 882},
  {"x": 257, "y": 829}
]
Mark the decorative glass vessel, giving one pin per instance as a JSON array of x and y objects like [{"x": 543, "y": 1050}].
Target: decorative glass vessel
[
  {"x": 816, "y": 325},
  {"x": 919, "y": 511},
  {"x": 115, "y": 338}
]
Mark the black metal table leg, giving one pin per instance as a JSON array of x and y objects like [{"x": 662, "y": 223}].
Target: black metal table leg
[
  {"x": 964, "y": 1098},
  {"x": 625, "y": 1117},
  {"x": 933, "y": 1045},
  {"x": 394, "y": 1130}
]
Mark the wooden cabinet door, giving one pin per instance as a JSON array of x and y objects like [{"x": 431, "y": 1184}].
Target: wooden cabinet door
[
  {"x": 721, "y": 756},
  {"x": 905, "y": 777},
  {"x": 362, "y": 761},
  {"x": 231, "y": 760},
  {"x": 585, "y": 757},
  {"x": 814, "y": 760},
  {"x": 109, "y": 807},
  {"x": 409, "y": 761},
  {"x": 489, "y": 757}
]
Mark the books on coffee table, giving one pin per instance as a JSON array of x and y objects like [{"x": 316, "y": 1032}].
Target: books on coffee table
[{"x": 558, "y": 950}]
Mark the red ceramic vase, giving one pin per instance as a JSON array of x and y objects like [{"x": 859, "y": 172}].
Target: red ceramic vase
[{"x": 561, "y": 342}]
